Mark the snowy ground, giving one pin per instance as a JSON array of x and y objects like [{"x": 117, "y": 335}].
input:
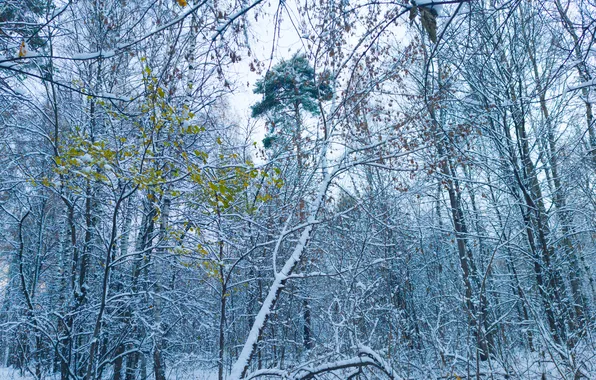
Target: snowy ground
[
  {"x": 176, "y": 374},
  {"x": 522, "y": 366},
  {"x": 12, "y": 374},
  {"x": 183, "y": 374}
]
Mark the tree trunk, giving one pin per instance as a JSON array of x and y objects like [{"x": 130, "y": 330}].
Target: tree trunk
[
  {"x": 159, "y": 364},
  {"x": 559, "y": 197}
]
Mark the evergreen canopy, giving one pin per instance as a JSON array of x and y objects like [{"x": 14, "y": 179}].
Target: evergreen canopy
[{"x": 291, "y": 84}]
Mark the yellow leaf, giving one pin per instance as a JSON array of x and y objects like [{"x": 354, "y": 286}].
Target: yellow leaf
[
  {"x": 23, "y": 49},
  {"x": 182, "y": 3}
]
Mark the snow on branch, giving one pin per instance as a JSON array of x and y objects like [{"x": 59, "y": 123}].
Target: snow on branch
[
  {"x": 366, "y": 357},
  {"x": 581, "y": 85},
  {"x": 221, "y": 29}
]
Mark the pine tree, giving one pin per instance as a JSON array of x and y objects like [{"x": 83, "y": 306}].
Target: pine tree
[{"x": 289, "y": 88}]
